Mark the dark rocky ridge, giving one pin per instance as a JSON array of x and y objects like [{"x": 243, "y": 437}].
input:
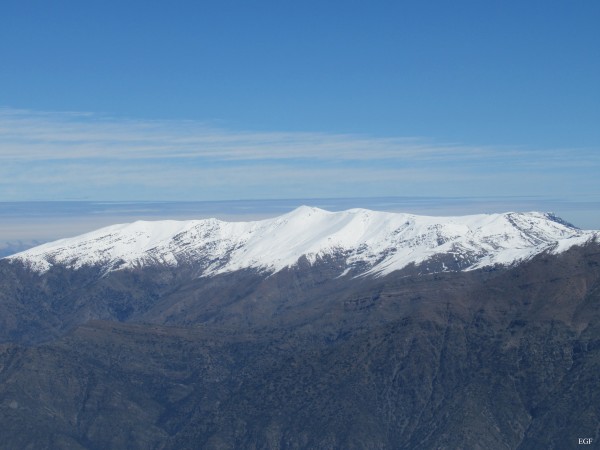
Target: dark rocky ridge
[{"x": 498, "y": 358}]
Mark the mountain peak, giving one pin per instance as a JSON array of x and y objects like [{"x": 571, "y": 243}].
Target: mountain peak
[
  {"x": 305, "y": 210},
  {"x": 364, "y": 241}
]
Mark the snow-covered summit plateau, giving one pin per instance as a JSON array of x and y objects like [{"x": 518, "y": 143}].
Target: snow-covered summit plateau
[{"x": 368, "y": 242}]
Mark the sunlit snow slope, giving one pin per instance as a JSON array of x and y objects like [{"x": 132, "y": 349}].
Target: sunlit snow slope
[{"x": 369, "y": 242}]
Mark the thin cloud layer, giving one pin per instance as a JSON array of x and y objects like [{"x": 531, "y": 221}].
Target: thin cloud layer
[
  {"x": 57, "y": 156},
  {"x": 27, "y": 135}
]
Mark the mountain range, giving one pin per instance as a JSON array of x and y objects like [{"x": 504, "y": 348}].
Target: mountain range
[
  {"x": 369, "y": 242},
  {"x": 315, "y": 329}
]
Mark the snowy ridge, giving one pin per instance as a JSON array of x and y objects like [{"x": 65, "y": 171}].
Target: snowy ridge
[{"x": 370, "y": 242}]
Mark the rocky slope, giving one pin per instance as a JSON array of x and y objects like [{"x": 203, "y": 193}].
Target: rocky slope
[{"x": 482, "y": 360}]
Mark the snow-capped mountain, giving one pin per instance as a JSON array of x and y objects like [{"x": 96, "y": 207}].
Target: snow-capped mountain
[
  {"x": 305, "y": 350},
  {"x": 368, "y": 242}
]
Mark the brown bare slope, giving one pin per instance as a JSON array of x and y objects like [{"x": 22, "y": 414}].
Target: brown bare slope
[{"x": 485, "y": 359}]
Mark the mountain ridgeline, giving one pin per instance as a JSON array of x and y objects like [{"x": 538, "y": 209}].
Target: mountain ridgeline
[{"x": 313, "y": 330}]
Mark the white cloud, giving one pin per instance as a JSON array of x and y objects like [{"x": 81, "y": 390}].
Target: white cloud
[
  {"x": 26, "y": 135},
  {"x": 76, "y": 155}
]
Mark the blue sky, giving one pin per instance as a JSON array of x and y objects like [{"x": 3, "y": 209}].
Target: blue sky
[{"x": 227, "y": 100}]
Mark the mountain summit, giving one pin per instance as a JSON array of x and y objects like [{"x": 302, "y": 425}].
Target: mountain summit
[{"x": 365, "y": 242}]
